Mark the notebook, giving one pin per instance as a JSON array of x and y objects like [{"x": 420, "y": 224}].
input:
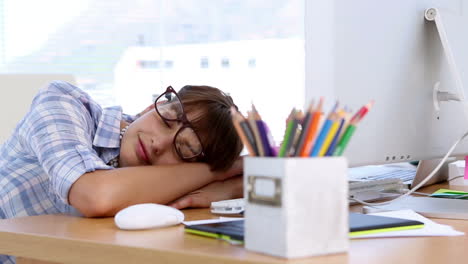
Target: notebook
[{"x": 359, "y": 224}]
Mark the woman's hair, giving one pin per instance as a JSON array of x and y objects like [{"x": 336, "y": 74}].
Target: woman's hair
[{"x": 213, "y": 124}]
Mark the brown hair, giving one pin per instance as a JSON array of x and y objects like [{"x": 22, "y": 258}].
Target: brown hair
[{"x": 213, "y": 124}]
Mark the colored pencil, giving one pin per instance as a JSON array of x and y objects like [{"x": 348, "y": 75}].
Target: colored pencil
[
  {"x": 263, "y": 133},
  {"x": 270, "y": 140},
  {"x": 365, "y": 110},
  {"x": 343, "y": 142},
  {"x": 299, "y": 117},
  {"x": 319, "y": 142},
  {"x": 237, "y": 118},
  {"x": 305, "y": 127},
  {"x": 344, "y": 119},
  {"x": 249, "y": 134},
  {"x": 258, "y": 140},
  {"x": 288, "y": 138},
  {"x": 321, "y": 138},
  {"x": 313, "y": 130},
  {"x": 336, "y": 120}
]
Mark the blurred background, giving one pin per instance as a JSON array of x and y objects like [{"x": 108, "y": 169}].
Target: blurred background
[{"x": 126, "y": 52}]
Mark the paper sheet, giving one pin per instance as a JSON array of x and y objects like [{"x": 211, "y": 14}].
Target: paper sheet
[{"x": 430, "y": 227}]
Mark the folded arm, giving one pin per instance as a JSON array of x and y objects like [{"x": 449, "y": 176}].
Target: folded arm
[
  {"x": 215, "y": 191},
  {"x": 105, "y": 192}
]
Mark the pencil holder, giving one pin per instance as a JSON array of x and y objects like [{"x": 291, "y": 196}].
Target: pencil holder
[{"x": 296, "y": 207}]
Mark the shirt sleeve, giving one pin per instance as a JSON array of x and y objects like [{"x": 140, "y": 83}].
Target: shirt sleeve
[
  {"x": 129, "y": 118},
  {"x": 60, "y": 134}
]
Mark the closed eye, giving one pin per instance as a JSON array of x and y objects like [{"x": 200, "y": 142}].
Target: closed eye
[
  {"x": 186, "y": 148},
  {"x": 159, "y": 119}
]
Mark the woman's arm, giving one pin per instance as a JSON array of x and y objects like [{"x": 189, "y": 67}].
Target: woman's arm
[
  {"x": 105, "y": 192},
  {"x": 216, "y": 191}
]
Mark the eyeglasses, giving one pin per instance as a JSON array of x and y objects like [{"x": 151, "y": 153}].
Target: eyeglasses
[{"x": 186, "y": 141}]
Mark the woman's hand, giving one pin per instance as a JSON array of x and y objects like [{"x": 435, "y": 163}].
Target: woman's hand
[
  {"x": 236, "y": 169},
  {"x": 216, "y": 191}
]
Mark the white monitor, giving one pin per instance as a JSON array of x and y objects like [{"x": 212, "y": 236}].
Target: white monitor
[
  {"x": 363, "y": 50},
  {"x": 17, "y": 92}
]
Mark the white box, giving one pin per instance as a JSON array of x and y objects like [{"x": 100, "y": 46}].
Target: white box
[
  {"x": 296, "y": 207},
  {"x": 456, "y": 169}
]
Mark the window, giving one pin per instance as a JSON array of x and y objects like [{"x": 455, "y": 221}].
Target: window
[
  {"x": 168, "y": 64},
  {"x": 225, "y": 62},
  {"x": 252, "y": 63},
  {"x": 126, "y": 56},
  {"x": 204, "y": 63},
  {"x": 149, "y": 64}
]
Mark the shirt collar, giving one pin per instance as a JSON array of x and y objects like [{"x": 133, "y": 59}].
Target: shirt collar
[{"x": 108, "y": 128}]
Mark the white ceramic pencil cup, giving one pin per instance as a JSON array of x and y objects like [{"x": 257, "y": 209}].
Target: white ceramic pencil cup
[{"x": 296, "y": 207}]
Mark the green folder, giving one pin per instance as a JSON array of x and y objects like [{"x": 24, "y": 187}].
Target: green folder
[{"x": 452, "y": 194}]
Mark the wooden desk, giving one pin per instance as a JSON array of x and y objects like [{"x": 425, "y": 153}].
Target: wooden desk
[{"x": 66, "y": 239}]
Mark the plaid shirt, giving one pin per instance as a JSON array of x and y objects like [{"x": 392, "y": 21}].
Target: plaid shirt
[{"x": 64, "y": 135}]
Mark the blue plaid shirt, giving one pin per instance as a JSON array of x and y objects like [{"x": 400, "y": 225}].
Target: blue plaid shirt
[{"x": 64, "y": 135}]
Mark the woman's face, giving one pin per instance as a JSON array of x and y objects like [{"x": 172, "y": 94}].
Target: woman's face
[{"x": 149, "y": 141}]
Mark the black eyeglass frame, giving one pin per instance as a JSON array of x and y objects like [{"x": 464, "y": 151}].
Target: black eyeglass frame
[{"x": 185, "y": 124}]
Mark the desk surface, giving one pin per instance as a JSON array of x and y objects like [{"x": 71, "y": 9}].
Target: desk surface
[{"x": 60, "y": 238}]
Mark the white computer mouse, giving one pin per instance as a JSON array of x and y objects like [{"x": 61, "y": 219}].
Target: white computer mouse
[{"x": 148, "y": 215}]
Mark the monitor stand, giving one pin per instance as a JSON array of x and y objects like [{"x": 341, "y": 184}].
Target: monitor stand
[
  {"x": 425, "y": 167},
  {"x": 451, "y": 28}
]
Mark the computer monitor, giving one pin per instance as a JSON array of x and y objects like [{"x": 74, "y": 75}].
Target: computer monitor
[{"x": 386, "y": 51}]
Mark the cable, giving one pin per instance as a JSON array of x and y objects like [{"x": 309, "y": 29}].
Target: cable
[
  {"x": 456, "y": 178},
  {"x": 422, "y": 182}
]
